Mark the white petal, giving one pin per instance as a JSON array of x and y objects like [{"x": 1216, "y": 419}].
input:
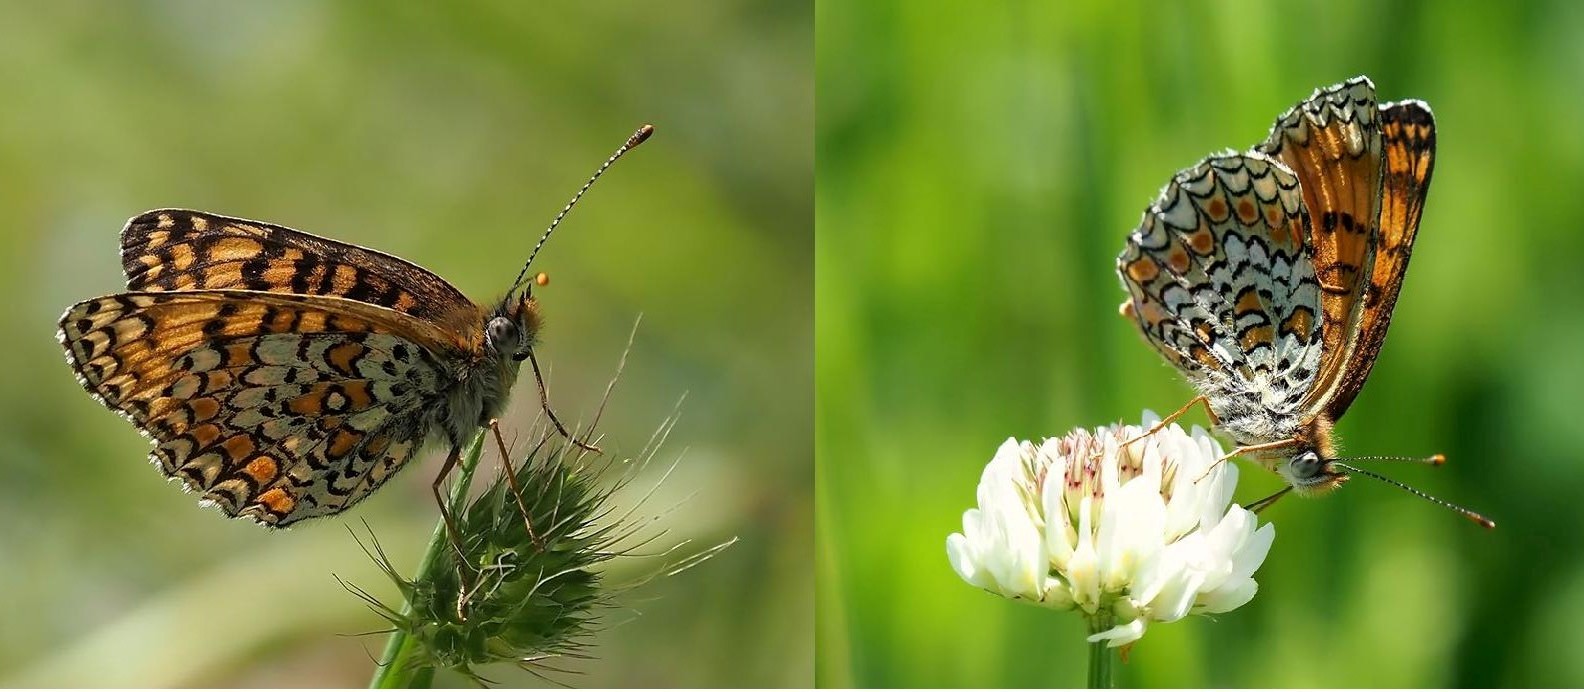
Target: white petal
[
  {"x": 1121, "y": 634},
  {"x": 1131, "y": 531},
  {"x": 1059, "y": 534},
  {"x": 1177, "y": 599},
  {"x": 963, "y": 561},
  {"x": 1083, "y": 569},
  {"x": 1230, "y": 596},
  {"x": 1255, "y": 548}
]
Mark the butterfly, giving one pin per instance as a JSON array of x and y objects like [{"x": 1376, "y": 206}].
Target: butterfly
[
  {"x": 1268, "y": 277},
  {"x": 287, "y": 376}
]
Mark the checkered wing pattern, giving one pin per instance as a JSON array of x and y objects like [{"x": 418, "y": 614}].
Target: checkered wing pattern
[
  {"x": 179, "y": 249},
  {"x": 1222, "y": 285},
  {"x": 1332, "y": 142},
  {"x": 275, "y": 407}
]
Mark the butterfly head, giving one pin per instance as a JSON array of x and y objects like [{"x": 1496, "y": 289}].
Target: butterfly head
[
  {"x": 1310, "y": 473},
  {"x": 512, "y": 329},
  {"x": 1306, "y": 464}
]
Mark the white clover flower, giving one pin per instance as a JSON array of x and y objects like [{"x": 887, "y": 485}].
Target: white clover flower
[{"x": 1127, "y": 536}]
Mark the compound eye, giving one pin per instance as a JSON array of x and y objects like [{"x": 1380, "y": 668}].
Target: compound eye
[
  {"x": 501, "y": 333},
  {"x": 1307, "y": 464}
]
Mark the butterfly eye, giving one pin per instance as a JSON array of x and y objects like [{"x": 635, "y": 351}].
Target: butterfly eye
[
  {"x": 520, "y": 357},
  {"x": 502, "y": 334},
  {"x": 1307, "y": 464}
]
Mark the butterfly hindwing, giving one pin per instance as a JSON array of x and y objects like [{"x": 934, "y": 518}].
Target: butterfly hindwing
[
  {"x": 179, "y": 249},
  {"x": 277, "y": 407},
  {"x": 1221, "y": 283}
]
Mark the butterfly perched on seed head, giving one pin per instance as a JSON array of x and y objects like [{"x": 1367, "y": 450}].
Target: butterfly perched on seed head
[
  {"x": 286, "y": 376},
  {"x": 1268, "y": 277}
]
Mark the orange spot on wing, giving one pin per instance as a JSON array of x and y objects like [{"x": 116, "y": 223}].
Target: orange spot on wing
[
  {"x": 1248, "y": 301},
  {"x": 1274, "y": 217},
  {"x": 1217, "y": 209},
  {"x": 277, "y": 500},
  {"x": 1258, "y": 336},
  {"x": 1246, "y": 212},
  {"x": 1177, "y": 260},
  {"x": 238, "y": 446},
  {"x": 342, "y": 443},
  {"x": 181, "y": 257},
  {"x": 205, "y": 408},
  {"x": 345, "y": 277},
  {"x": 1143, "y": 270},
  {"x": 205, "y": 434},
  {"x": 234, "y": 249},
  {"x": 238, "y": 353},
  {"x": 1202, "y": 241},
  {"x": 262, "y": 469},
  {"x": 1203, "y": 355},
  {"x": 310, "y": 403},
  {"x": 343, "y": 356},
  {"x": 1299, "y": 323},
  {"x": 357, "y": 394},
  {"x": 312, "y": 322}
]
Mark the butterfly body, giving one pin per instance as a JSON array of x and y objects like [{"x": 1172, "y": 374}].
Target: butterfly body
[
  {"x": 1268, "y": 277},
  {"x": 283, "y": 375}
]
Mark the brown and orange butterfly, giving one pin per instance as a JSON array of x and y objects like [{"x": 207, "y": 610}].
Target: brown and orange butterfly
[
  {"x": 287, "y": 376},
  {"x": 1268, "y": 277}
]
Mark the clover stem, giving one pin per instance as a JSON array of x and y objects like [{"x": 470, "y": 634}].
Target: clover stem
[{"x": 1101, "y": 657}]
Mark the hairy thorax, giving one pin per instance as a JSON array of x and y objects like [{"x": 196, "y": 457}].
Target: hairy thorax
[{"x": 477, "y": 395}]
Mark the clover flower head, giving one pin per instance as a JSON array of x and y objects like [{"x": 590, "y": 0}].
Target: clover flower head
[{"x": 1127, "y": 535}]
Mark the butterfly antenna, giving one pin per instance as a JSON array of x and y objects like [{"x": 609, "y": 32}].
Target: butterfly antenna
[
  {"x": 636, "y": 139},
  {"x": 1432, "y": 460},
  {"x": 1468, "y": 513}
]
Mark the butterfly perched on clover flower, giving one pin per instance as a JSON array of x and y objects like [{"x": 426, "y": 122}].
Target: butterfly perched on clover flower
[
  {"x": 286, "y": 376},
  {"x": 1268, "y": 277}
]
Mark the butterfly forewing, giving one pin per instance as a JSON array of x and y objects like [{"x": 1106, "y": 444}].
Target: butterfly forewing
[
  {"x": 1407, "y": 132},
  {"x": 178, "y": 249},
  {"x": 1332, "y": 143},
  {"x": 1222, "y": 286},
  {"x": 277, "y": 407}
]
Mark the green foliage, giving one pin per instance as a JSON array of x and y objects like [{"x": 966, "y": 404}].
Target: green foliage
[{"x": 978, "y": 172}]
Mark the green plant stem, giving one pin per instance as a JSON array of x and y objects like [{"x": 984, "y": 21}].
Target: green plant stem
[
  {"x": 1102, "y": 658},
  {"x": 397, "y": 667}
]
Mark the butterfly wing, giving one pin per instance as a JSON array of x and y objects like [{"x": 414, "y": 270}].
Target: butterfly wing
[
  {"x": 276, "y": 407},
  {"x": 1332, "y": 142},
  {"x": 1408, "y": 144},
  {"x": 1221, "y": 284},
  {"x": 178, "y": 249}
]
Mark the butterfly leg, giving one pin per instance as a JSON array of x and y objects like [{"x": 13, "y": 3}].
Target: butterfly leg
[
  {"x": 1162, "y": 423},
  {"x": 1264, "y": 503},
  {"x": 452, "y": 534},
  {"x": 544, "y": 402},
  {"x": 1244, "y": 451},
  {"x": 511, "y": 480}
]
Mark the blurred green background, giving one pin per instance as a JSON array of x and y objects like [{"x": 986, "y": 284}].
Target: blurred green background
[
  {"x": 448, "y": 134},
  {"x": 977, "y": 173}
]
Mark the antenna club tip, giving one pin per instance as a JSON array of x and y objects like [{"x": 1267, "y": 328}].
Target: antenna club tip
[
  {"x": 641, "y": 135},
  {"x": 1482, "y": 521},
  {"x": 1437, "y": 459}
]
